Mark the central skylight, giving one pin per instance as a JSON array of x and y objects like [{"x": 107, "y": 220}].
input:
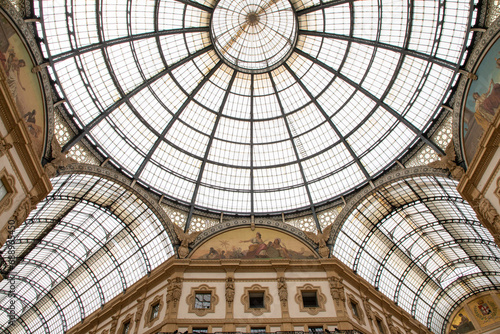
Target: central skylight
[
  {"x": 254, "y": 36},
  {"x": 253, "y": 107}
]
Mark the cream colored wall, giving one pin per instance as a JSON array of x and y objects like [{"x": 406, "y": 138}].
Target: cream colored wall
[
  {"x": 134, "y": 303},
  {"x": 489, "y": 183}
]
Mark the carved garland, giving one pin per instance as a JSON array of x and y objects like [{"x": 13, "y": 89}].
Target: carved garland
[
  {"x": 321, "y": 298},
  {"x": 191, "y": 299},
  {"x": 148, "y": 322},
  {"x": 268, "y": 300}
]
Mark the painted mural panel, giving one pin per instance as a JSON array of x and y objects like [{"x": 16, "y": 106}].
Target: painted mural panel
[
  {"x": 262, "y": 243},
  {"x": 482, "y": 102},
  {"x": 485, "y": 310},
  {"x": 461, "y": 324},
  {"x": 24, "y": 85}
]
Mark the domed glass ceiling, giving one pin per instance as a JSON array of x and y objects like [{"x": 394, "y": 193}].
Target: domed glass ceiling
[{"x": 253, "y": 106}]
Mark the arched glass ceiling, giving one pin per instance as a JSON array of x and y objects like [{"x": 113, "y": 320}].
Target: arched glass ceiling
[
  {"x": 420, "y": 243},
  {"x": 342, "y": 95},
  {"x": 87, "y": 242}
]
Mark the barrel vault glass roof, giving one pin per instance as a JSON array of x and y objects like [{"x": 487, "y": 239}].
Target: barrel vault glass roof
[
  {"x": 86, "y": 243},
  {"x": 249, "y": 107},
  {"x": 194, "y": 100},
  {"x": 418, "y": 242}
]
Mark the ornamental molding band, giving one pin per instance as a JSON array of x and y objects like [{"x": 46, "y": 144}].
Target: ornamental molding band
[
  {"x": 120, "y": 179},
  {"x": 26, "y": 34},
  {"x": 268, "y": 300},
  {"x": 463, "y": 93},
  {"x": 191, "y": 300},
  {"x": 389, "y": 178}
]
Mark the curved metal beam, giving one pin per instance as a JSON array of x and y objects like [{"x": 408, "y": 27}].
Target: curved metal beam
[
  {"x": 329, "y": 121},
  {"x": 175, "y": 118},
  {"x": 207, "y": 150},
  {"x": 65, "y": 279},
  {"x": 378, "y": 102},
  {"x": 378, "y": 44},
  {"x": 414, "y": 261},
  {"x": 197, "y": 5},
  {"x": 126, "y": 97},
  {"x": 395, "y": 211},
  {"x": 445, "y": 291},
  {"x": 322, "y": 6},
  {"x": 440, "y": 270},
  {"x": 50, "y": 296},
  {"x": 31, "y": 307},
  {"x": 102, "y": 245},
  {"x": 19, "y": 319},
  {"x": 127, "y": 39},
  {"x": 419, "y": 229}
]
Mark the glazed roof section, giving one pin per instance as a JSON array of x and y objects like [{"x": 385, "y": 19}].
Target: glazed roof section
[
  {"x": 86, "y": 243},
  {"x": 144, "y": 84},
  {"x": 418, "y": 242}
]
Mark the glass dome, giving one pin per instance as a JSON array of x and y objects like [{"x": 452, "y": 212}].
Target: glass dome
[{"x": 255, "y": 106}]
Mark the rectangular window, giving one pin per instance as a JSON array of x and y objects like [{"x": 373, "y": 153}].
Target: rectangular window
[
  {"x": 354, "y": 308},
  {"x": 309, "y": 299},
  {"x": 201, "y": 330},
  {"x": 314, "y": 330},
  {"x": 126, "y": 327},
  {"x": 3, "y": 190},
  {"x": 256, "y": 299},
  {"x": 380, "y": 326},
  {"x": 154, "y": 311},
  {"x": 257, "y": 330},
  {"x": 202, "y": 300}
]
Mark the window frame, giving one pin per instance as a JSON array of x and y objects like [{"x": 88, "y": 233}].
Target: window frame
[
  {"x": 268, "y": 300},
  {"x": 320, "y": 299},
  {"x": 202, "y": 289}
]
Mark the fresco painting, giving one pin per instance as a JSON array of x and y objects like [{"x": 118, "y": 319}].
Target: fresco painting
[
  {"x": 24, "y": 85},
  {"x": 261, "y": 243},
  {"x": 461, "y": 324},
  {"x": 485, "y": 310},
  {"x": 483, "y": 101}
]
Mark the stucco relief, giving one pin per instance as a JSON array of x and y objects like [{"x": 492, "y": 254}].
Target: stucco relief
[
  {"x": 497, "y": 190},
  {"x": 9, "y": 184}
]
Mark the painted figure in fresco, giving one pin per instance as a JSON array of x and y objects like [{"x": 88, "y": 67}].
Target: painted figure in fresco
[
  {"x": 464, "y": 326},
  {"x": 258, "y": 245},
  {"x": 12, "y": 66},
  {"x": 487, "y": 104}
]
